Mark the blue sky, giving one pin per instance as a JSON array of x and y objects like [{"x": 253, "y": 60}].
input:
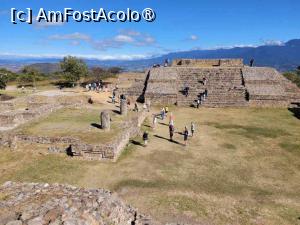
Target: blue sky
[{"x": 179, "y": 25}]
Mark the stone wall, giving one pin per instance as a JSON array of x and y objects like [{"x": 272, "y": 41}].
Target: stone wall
[
  {"x": 208, "y": 62},
  {"x": 266, "y": 87},
  {"x": 6, "y": 106},
  {"x": 37, "y": 106},
  {"x": 34, "y": 203},
  {"x": 78, "y": 148}
]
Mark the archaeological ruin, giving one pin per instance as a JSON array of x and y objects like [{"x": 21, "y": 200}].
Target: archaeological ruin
[
  {"x": 34, "y": 203},
  {"x": 40, "y": 120},
  {"x": 229, "y": 83}
]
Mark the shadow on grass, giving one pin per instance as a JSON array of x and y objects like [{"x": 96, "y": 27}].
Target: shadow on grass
[
  {"x": 296, "y": 112},
  {"x": 163, "y": 124},
  {"x": 96, "y": 125},
  {"x": 172, "y": 141},
  {"x": 116, "y": 112},
  {"x": 136, "y": 143}
]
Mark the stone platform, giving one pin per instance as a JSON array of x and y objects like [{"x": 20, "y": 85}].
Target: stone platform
[
  {"x": 54, "y": 204},
  {"x": 228, "y": 82}
]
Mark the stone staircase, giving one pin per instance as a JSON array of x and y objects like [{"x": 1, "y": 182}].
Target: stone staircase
[
  {"x": 224, "y": 85},
  {"x": 192, "y": 78},
  {"x": 225, "y": 88},
  {"x": 234, "y": 86}
]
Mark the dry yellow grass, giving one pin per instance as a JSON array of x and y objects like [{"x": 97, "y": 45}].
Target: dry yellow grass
[{"x": 241, "y": 167}]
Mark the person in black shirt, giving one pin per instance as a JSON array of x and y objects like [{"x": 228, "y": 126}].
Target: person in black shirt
[{"x": 145, "y": 138}]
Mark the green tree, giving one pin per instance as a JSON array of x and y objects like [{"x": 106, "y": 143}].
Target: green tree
[
  {"x": 3, "y": 81},
  {"x": 10, "y": 76},
  {"x": 98, "y": 73},
  {"x": 73, "y": 69},
  {"x": 25, "y": 79},
  {"x": 29, "y": 75},
  {"x": 115, "y": 70}
]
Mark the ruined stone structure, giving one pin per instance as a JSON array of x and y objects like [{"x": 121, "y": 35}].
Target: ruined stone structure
[
  {"x": 33, "y": 203},
  {"x": 33, "y": 107},
  {"x": 105, "y": 120},
  {"x": 228, "y": 82},
  {"x": 123, "y": 107},
  {"x": 79, "y": 148}
]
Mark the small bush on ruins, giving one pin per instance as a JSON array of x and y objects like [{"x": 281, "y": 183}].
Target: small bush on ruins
[
  {"x": 29, "y": 76},
  {"x": 294, "y": 77},
  {"x": 73, "y": 69},
  {"x": 98, "y": 73}
]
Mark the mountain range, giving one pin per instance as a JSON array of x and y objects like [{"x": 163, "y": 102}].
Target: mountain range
[{"x": 284, "y": 57}]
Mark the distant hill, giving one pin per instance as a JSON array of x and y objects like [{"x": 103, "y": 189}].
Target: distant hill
[
  {"x": 283, "y": 57},
  {"x": 46, "y": 68}
]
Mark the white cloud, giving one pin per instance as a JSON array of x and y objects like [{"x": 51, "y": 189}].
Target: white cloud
[
  {"x": 83, "y": 56},
  {"x": 124, "y": 37},
  {"x": 75, "y": 43},
  {"x": 44, "y": 24},
  {"x": 130, "y": 32},
  {"x": 194, "y": 37},
  {"x": 73, "y": 36},
  {"x": 273, "y": 42}
]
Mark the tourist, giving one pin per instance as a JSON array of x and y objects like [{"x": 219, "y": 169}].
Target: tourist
[
  {"x": 172, "y": 118},
  {"x": 154, "y": 122},
  {"x": 185, "y": 135},
  {"x": 204, "y": 81},
  {"x": 148, "y": 102},
  {"x": 114, "y": 96},
  {"x": 145, "y": 138},
  {"x": 193, "y": 127},
  {"x": 163, "y": 113},
  {"x": 187, "y": 91},
  {"x": 205, "y": 94},
  {"x": 136, "y": 108},
  {"x": 113, "y": 99},
  {"x": 166, "y": 109},
  {"x": 198, "y": 103},
  {"x": 144, "y": 106},
  {"x": 251, "y": 62},
  {"x": 171, "y": 131},
  {"x": 166, "y": 63}
]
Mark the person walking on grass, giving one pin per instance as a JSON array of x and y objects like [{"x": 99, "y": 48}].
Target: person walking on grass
[
  {"x": 166, "y": 109},
  {"x": 193, "y": 127},
  {"x": 145, "y": 138},
  {"x": 171, "y": 131},
  {"x": 185, "y": 135},
  {"x": 198, "y": 103},
  {"x": 144, "y": 106},
  {"x": 154, "y": 122},
  {"x": 172, "y": 118},
  {"x": 136, "y": 108},
  {"x": 163, "y": 113}
]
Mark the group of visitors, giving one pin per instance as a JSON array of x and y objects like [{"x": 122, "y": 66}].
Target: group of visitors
[
  {"x": 165, "y": 64},
  {"x": 163, "y": 114},
  {"x": 96, "y": 86},
  {"x": 202, "y": 97}
]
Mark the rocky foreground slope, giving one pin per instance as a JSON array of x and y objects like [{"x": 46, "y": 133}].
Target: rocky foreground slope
[{"x": 55, "y": 204}]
